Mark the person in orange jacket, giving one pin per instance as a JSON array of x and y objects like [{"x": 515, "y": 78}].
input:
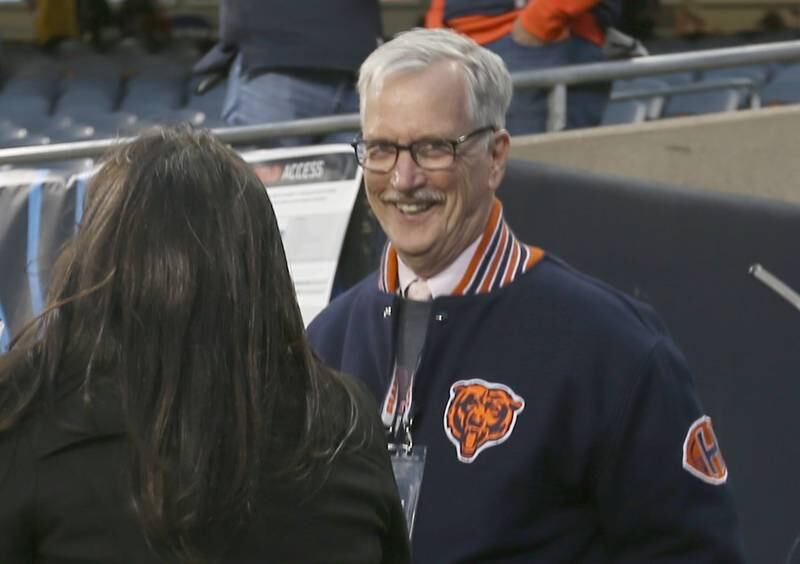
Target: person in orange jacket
[{"x": 537, "y": 34}]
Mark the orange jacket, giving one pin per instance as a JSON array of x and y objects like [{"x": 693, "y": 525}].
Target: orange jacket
[{"x": 549, "y": 20}]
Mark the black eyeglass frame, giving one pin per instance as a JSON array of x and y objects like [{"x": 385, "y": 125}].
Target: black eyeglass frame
[{"x": 454, "y": 143}]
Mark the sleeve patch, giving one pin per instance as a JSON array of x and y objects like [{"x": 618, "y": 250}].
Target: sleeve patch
[{"x": 702, "y": 456}]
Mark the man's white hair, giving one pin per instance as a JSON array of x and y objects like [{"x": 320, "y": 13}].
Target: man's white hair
[{"x": 487, "y": 79}]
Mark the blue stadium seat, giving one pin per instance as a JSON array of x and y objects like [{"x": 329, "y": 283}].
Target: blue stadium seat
[
  {"x": 27, "y": 111},
  {"x": 695, "y": 103},
  {"x": 160, "y": 68},
  {"x": 28, "y": 140},
  {"x": 65, "y": 131},
  {"x": 654, "y": 102},
  {"x": 214, "y": 122},
  {"x": 209, "y": 103},
  {"x": 126, "y": 53},
  {"x": 784, "y": 87},
  {"x": 759, "y": 74},
  {"x": 11, "y": 135},
  {"x": 185, "y": 52},
  {"x": 117, "y": 124},
  {"x": 625, "y": 111},
  {"x": 39, "y": 78},
  {"x": 144, "y": 97},
  {"x": 787, "y": 73},
  {"x": 674, "y": 78},
  {"x": 167, "y": 116},
  {"x": 780, "y": 93},
  {"x": 89, "y": 96}
]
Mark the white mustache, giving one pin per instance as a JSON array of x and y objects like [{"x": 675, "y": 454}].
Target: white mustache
[{"x": 418, "y": 197}]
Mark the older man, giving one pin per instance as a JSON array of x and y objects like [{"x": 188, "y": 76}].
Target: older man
[{"x": 560, "y": 420}]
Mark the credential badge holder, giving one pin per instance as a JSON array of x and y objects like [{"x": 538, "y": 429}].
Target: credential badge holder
[{"x": 408, "y": 464}]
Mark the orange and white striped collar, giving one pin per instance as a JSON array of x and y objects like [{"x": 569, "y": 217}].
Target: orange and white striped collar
[
  {"x": 441, "y": 284},
  {"x": 497, "y": 261}
]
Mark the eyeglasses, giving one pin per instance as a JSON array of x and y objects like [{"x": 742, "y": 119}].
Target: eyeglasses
[{"x": 430, "y": 154}]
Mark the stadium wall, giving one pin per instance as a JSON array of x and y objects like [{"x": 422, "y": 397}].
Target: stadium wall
[{"x": 747, "y": 153}]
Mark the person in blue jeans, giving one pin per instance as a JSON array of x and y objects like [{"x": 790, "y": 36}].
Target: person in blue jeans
[{"x": 293, "y": 60}]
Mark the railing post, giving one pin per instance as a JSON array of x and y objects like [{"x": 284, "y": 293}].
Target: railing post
[
  {"x": 755, "y": 99},
  {"x": 557, "y": 108}
]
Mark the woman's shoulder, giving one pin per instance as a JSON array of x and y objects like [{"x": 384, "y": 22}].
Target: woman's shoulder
[
  {"x": 357, "y": 399},
  {"x": 56, "y": 415}
]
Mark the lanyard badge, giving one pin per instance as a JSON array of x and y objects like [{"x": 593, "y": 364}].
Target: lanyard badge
[
  {"x": 408, "y": 464},
  {"x": 408, "y": 459}
]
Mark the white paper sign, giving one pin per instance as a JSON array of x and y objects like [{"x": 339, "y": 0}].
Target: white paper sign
[{"x": 313, "y": 191}]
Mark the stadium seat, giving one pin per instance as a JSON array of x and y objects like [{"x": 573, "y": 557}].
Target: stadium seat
[
  {"x": 117, "y": 124},
  {"x": 31, "y": 112},
  {"x": 209, "y": 103},
  {"x": 759, "y": 74},
  {"x": 146, "y": 97},
  {"x": 67, "y": 132},
  {"x": 696, "y": 103},
  {"x": 780, "y": 93},
  {"x": 787, "y": 73},
  {"x": 29, "y": 140},
  {"x": 650, "y": 86},
  {"x": 674, "y": 78},
  {"x": 184, "y": 115},
  {"x": 784, "y": 88},
  {"x": 159, "y": 68},
  {"x": 11, "y": 135},
  {"x": 39, "y": 78},
  {"x": 97, "y": 98},
  {"x": 625, "y": 111}
]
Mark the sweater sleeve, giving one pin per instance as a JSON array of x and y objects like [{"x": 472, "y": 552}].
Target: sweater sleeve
[
  {"x": 549, "y": 20},
  {"x": 661, "y": 486}
]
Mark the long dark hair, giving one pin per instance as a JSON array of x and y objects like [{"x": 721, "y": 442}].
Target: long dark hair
[{"x": 176, "y": 285}]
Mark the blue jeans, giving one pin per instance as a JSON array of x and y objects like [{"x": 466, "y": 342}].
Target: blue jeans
[
  {"x": 284, "y": 96},
  {"x": 528, "y": 111}
]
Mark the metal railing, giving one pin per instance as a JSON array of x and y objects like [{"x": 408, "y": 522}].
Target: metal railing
[
  {"x": 555, "y": 80},
  {"x": 656, "y": 96}
]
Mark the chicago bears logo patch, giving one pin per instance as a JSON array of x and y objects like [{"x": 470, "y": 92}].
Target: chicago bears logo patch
[
  {"x": 480, "y": 415},
  {"x": 701, "y": 454}
]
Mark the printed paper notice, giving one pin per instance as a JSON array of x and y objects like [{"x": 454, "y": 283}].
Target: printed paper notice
[{"x": 313, "y": 191}]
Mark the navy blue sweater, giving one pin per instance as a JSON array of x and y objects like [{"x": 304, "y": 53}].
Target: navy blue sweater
[{"x": 556, "y": 412}]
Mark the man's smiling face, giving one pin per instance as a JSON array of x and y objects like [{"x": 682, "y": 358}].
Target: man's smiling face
[{"x": 430, "y": 216}]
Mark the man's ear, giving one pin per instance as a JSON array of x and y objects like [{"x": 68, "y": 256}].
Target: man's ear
[{"x": 498, "y": 153}]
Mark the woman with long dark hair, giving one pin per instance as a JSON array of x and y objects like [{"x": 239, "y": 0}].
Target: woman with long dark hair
[{"x": 166, "y": 405}]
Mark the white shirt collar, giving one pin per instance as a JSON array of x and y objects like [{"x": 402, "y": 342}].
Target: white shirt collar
[{"x": 445, "y": 282}]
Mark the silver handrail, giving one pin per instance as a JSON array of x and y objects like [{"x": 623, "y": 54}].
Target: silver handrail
[
  {"x": 742, "y": 83},
  {"x": 747, "y": 84},
  {"x": 233, "y": 135},
  {"x": 555, "y": 80}
]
